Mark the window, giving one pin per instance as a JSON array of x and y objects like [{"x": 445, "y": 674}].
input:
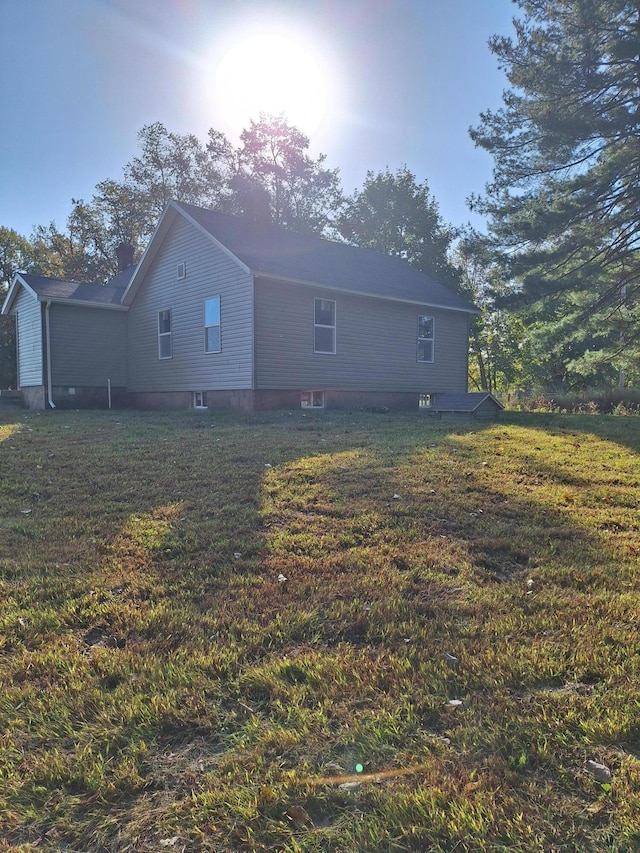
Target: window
[
  {"x": 165, "y": 347},
  {"x": 199, "y": 399},
  {"x": 425, "y": 339},
  {"x": 312, "y": 400},
  {"x": 324, "y": 330},
  {"x": 212, "y": 324},
  {"x": 181, "y": 271},
  {"x": 424, "y": 401}
]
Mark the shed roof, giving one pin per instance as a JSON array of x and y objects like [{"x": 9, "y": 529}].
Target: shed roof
[{"x": 461, "y": 401}]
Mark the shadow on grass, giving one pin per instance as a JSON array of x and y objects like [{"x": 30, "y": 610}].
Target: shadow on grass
[
  {"x": 280, "y": 592},
  {"x": 205, "y": 510}
]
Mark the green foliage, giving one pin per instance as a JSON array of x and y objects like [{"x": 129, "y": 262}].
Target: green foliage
[
  {"x": 173, "y": 166},
  {"x": 86, "y": 251},
  {"x": 394, "y": 214},
  {"x": 501, "y": 355},
  {"x": 161, "y": 685},
  {"x": 270, "y": 175},
  {"x": 8, "y": 367},
  {"x": 169, "y": 166},
  {"x": 16, "y": 253},
  {"x": 563, "y": 201}
]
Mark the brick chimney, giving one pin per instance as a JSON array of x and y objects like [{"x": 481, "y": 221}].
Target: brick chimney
[
  {"x": 252, "y": 199},
  {"x": 124, "y": 254}
]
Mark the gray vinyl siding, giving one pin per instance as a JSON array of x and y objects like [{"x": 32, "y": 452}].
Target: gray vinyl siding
[
  {"x": 376, "y": 343},
  {"x": 29, "y": 329},
  {"x": 209, "y": 272},
  {"x": 88, "y": 346}
]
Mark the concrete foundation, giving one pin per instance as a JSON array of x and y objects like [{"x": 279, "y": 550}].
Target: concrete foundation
[
  {"x": 88, "y": 398},
  {"x": 34, "y": 397},
  {"x": 244, "y": 400},
  {"x": 156, "y": 401}
]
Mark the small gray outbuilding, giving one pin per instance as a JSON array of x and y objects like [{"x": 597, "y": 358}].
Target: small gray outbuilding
[{"x": 477, "y": 404}]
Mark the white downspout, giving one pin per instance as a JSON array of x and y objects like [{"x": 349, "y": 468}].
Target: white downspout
[{"x": 48, "y": 334}]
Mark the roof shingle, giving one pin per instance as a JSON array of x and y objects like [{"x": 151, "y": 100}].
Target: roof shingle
[
  {"x": 273, "y": 251},
  {"x": 79, "y": 291}
]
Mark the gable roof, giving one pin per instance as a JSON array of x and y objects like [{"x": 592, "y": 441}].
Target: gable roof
[
  {"x": 269, "y": 251},
  {"x": 46, "y": 289},
  {"x": 462, "y": 401}
]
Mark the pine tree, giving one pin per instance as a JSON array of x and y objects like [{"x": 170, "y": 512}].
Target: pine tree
[{"x": 564, "y": 202}]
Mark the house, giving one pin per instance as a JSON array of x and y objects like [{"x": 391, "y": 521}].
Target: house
[
  {"x": 224, "y": 311},
  {"x": 71, "y": 339}
]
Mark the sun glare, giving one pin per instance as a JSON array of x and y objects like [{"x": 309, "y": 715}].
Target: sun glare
[{"x": 272, "y": 73}]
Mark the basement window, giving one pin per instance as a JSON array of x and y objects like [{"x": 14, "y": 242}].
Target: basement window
[
  {"x": 199, "y": 399},
  {"x": 425, "y": 401},
  {"x": 312, "y": 400}
]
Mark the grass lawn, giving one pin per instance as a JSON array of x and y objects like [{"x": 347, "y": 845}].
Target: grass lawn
[{"x": 334, "y": 633}]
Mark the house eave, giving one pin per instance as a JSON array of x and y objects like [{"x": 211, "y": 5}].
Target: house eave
[
  {"x": 19, "y": 281},
  {"x": 83, "y": 303},
  {"x": 366, "y": 293},
  {"x": 166, "y": 220},
  {"x": 174, "y": 209},
  {"x": 169, "y": 216},
  {"x": 15, "y": 285},
  {"x": 215, "y": 241}
]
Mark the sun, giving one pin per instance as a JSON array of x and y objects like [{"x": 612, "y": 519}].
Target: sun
[{"x": 272, "y": 72}]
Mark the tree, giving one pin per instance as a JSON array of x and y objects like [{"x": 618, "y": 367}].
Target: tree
[
  {"x": 394, "y": 214},
  {"x": 119, "y": 212},
  {"x": 175, "y": 166},
  {"x": 501, "y": 357},
  {"x": 271, "y": 168},
  {"x": 8, "y": 368},
  {"x": 302, "y": 194},
  {"x": 169, "y": 166},
  {"x": 16, "y": 253},
  {"x": 77, "y": 254},
  {"x": 564, "y": 202}
]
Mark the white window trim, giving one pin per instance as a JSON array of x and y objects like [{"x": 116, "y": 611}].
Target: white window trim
[
  {"x": 432, "y": 339},
  {"x": 311, "y": 395},
  {"x": 168, "y": 334},
  {"x": 219, "y": 325},
  {"x": 202, "y": 404},
  {"x": 322, "y": 326}
]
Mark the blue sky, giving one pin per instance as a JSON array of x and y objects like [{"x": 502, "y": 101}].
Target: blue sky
[{"x": 397, "y": 82}]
